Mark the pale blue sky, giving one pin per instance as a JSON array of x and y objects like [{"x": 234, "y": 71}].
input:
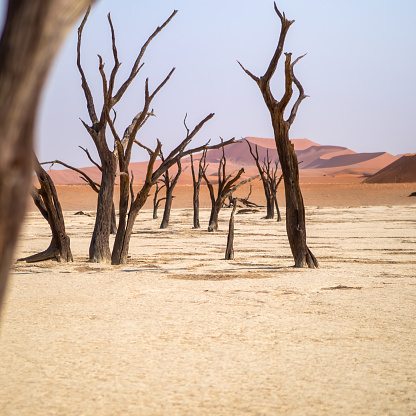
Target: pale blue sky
[{"x": 359, "y": 72}]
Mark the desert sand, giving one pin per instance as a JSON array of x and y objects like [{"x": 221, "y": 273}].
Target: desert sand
[
  {"x": 340, "y": 191},
  {"x": 180, "y": 331}
]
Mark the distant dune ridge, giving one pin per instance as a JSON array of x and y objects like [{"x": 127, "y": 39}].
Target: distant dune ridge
[
  {"x": 315, "y": 161},
  {"x": 402, "y": 170}
]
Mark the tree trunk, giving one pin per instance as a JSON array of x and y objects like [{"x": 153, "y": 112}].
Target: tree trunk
[
  {"x": 170, "y": 186},
  {"x": 195, "y": 199},
  {"x": 279, "y": 217},
  {"x": 113, "y": 220},
  {"x": 168, "y": 207},
  {"x": 196, "y": 182},
  {"x": 155, "y": 208},
  {"x": 229, "y": 252},
  {"x": 100, "y": 242},
  {"x": 213, "y": 220},
  {"x": 33, "y": 31},
  {"x": 121, "y": 244},
  {"x": 46, "y": 199},
  {"x": 270, "y": 207},
  {"x": 156, "y": 201},
  {"x": 295, "y": 210}
]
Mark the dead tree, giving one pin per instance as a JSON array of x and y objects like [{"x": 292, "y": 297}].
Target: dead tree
[
  {"x": 156, "y": 200},
  {"x": 46, "y": 199},
  {"x": 229, "y": 252},
  {"x": 270, "y": 181},
  {"x": 274, "y": 181},
  {"x": 245, "y": 201},
  {"x": 170, "y": 184},
  {"x": 270, "y": 197},
  {"x": 100, "y": 247},
  {"x": 239, "y": 185},
  {"x": 196, "y": 183},
  {"x": 32, "y": 34},
  {"x": 295, "y": 210},
  {"x": 128, "y": 217},
  {"x": 225, "y": 183}
]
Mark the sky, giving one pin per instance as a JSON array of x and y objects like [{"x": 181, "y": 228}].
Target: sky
[{"x": 359, "y": 73}]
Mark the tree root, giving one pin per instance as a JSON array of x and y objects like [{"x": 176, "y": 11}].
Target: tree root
[{"x": 51, "y": 253}]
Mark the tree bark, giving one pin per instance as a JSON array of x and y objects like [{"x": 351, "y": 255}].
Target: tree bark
[
  {"x": 213, "y": 218},
  {"x": 113, "y": 227},
  {"x": 99, "y": 251},
  {"x": 195, "y": 204},
  {"x": 295, "y": 211},
  {"x": 33, "y": 31},
  {"x": 167, "y": 209},
  {"x": 170, "y": 186},
  {"x": 270, "y": 204}
]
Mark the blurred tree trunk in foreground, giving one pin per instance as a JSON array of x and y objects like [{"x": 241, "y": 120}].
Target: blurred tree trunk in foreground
[{"x": 33, "y": 31}]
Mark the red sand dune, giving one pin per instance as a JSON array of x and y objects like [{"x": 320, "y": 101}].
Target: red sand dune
[
  {"x": 402, "y": 170},
  {"x": 317, "y": 161}
]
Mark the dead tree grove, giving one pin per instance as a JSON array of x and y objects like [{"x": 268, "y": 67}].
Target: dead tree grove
[
  {"x": 127, "y": 216},
  {"x": 25, "y": 59},
  {"x": 295, "y": 210}
]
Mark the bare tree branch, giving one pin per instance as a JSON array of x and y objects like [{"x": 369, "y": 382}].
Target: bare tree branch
[
  {"x": 252, "y": 76},
  {"x": 179, "y": 150},
  {"x": 144, "y": 113},
  {"x": 90, "y": 158},
  {"x": 136, "y": 67},
  {"x": 279, "y": 49},
  {"x": 85, "y": 86},
  {"x": 148, "y": 150},
  {"x": 94, "y": 185},
  {"x": 106, "y": 109},
  {"x": 264, "y": 81},
  {"x": 115, "y": 56},
  {"x": 299, "y": 86},
  {"x": 288, "y": 85}
]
